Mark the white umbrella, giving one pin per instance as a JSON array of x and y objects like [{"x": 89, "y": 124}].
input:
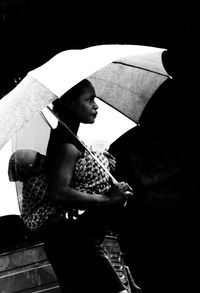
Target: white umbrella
[{"x": 51, "y": 80}]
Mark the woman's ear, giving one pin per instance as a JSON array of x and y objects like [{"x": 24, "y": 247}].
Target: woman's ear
[{"x": 71, "y": 104}]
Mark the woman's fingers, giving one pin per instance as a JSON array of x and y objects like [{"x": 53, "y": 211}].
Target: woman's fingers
[
  {"x": 108, "y": 155},
  {"x": 111, "y": 159},
  {"x": 125, "y": 187}
]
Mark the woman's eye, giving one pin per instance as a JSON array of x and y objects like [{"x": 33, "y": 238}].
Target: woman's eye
[{"x": 91, "y": 99}]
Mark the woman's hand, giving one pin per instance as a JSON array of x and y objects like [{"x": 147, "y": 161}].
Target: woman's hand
[
  {"x": 112, "y": 161},
  {"x": 120, "y": 192}
]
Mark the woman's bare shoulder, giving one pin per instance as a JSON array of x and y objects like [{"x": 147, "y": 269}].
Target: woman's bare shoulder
[{"x": 68, "y": 151}]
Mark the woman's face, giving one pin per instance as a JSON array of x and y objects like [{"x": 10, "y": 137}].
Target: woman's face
[{"x": 85, "y": 107}]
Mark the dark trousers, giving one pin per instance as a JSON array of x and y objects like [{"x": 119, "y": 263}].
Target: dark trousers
[{"x": 75, "y": 252}]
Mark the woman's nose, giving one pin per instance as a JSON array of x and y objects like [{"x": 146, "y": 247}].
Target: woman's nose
[{"x": 95, "y": 105}]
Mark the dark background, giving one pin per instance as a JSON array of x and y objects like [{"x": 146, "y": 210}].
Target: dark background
[{"x": 160, "y": 158}]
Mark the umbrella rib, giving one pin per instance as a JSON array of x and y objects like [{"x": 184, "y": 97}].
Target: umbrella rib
[
  {"x": 145, "y": 69},
  {"x": 107, "y": 103},
  {"x": 45, "y": 119}
]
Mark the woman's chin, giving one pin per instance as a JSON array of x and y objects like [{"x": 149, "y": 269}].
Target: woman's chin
[{"x": 91, "y": 121}]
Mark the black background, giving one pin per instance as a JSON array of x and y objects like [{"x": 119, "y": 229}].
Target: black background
[{"x": 166, "y": 238}]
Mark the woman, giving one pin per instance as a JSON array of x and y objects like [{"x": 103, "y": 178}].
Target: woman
[{"x": 73, "y": 244}]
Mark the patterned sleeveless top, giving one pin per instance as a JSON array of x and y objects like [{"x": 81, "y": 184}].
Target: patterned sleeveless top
[{"x": 88, "y": 176}]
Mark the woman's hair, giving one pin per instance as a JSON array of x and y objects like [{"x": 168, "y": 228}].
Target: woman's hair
[{"x": 71, "y": 94}]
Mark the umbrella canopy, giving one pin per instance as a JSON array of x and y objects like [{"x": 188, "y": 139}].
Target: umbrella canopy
[
  {"x": 124, "y": 76},
  {"x": 129, "y": 83}
]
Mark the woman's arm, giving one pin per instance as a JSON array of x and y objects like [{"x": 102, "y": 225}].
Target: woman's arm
[{"x": 61, "y": 172}]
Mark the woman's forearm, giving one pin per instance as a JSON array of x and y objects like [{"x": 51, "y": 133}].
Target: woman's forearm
[{"x": 77, "y": 199}]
